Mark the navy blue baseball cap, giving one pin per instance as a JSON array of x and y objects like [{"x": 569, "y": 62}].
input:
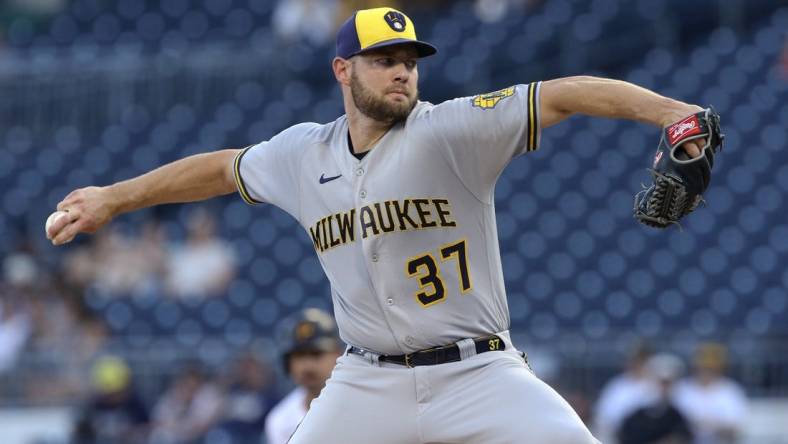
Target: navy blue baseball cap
[{"x": 375, "y": 28}]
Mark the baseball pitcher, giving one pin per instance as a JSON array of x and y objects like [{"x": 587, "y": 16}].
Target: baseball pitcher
[{"x": 397, "y": 198}]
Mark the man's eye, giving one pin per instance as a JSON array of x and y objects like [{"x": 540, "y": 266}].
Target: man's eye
[
  {"x": 410, "y": 64},
  {"x": 386, "y": 61}
]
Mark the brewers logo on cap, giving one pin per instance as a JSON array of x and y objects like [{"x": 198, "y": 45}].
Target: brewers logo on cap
[
  {"x": 375, "y": 28},
  {"x": 396, "y": 20}
]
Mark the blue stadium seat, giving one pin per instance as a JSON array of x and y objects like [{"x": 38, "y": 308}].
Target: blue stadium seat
[
  {"x": 778, "y": 239},
  {"x": 523, "y": 206},
  {"x": 648, "y": 323},
  {"x": 167, "y": 315},
  {"x": 310, "y": 271},
  {"x": 552, "y": 224},
  {"x": 138, "y": 334},
  {"x": 743, "y": 281},
  {"x": 758, "y": 321},
  {"x": 775, "y": 300},
  {"x": 618, "y": 305},
  {"x": 118, "y": 315},
  {"x": 751, "y": 220},
  {"x": 189, "y": 333},
  {"x": 632, "y": 242},
  {"x": 214, "y": 314},
  {"x": 620, "y": 203},
  {"x": 567, "y": 305},
  {"x": 239, "y": 23},
  {"x": 591, "y": 284},
  {"x": 513, "y": 266},
  {"x": 561, "y": 266},
  {"x": 519, "y": 307},
  {"x": 545, "y": 185},
  {"x": 287, "y": 251},
  {"x": 595, "y": 183},
  {"x": 723, "y": 301},
  {"x": 713, "y": 261},
  {"x": 265, "y": 311},
  {"x": 538, "y": 285},
  {"x": 601, "y": 223},
  {"x": 595, "y": 324},
  {"x": 238, "y": 332},
  {"x": 263, "y": 271},
  {"x": 543, "y": 325},
  {"x": 580, "y": 244}
]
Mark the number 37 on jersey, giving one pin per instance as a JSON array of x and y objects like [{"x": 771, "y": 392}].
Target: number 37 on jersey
[{"x": 426, "y": 269}]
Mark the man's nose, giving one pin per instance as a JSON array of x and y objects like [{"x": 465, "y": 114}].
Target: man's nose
[{"x": 402, "y": 73}]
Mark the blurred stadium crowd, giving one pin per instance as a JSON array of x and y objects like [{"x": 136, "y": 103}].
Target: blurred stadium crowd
[{"x": 172, "y": 313}]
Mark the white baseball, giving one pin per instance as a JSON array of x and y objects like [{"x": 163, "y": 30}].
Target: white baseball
[{"x": 52, "y": 218}]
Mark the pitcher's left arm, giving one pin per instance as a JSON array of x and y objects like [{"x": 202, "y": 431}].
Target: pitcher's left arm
[{"x": 600, "y": 97}]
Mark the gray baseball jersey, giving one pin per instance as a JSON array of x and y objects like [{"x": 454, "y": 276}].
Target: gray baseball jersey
[{"x": 406, "y": 235}]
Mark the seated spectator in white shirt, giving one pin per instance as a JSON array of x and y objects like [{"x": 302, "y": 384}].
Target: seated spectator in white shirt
[
  {"x": 624, "y": 394},
  {"x": 715, "y": 405},
  {"x": 205, "y": 265},
  {"x": 659, "y": 422}
]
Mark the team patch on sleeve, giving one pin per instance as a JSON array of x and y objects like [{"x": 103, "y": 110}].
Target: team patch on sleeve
[
  {"x": 239, "y": 181},
  {"x": 489, "y": 100}
]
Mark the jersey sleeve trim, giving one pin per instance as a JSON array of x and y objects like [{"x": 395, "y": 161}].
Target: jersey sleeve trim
[
  {"x": 239, "y": 180},
  {"x": 532, "y": 114}
]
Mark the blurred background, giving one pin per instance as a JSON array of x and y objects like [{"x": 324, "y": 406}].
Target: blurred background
[{"x": 179, "y": 303}]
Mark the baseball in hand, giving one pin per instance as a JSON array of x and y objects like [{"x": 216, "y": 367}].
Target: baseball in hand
[{"x": 51, "y": 220}]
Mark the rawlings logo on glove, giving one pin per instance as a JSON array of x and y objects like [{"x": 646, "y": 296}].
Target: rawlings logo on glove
[
  {"x": 679, "y": 181},
  {"x": 683, "y": 129}
]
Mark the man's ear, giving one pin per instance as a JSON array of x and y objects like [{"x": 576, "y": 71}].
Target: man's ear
[{"x": 342, "y": 70}]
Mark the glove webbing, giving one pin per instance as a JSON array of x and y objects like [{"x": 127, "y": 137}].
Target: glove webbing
[{"x": 676, "y": 204}]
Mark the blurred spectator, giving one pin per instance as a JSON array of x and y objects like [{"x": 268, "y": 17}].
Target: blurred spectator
[
  {"x": 658, "y": 422},
  {"x": 715, "y": 405},
  {"x": 114, "y": 413},
  {"x": 20, "y": 274},
  {"x": 14, "y": 331},
  {"x": 190, "y": 408},
  {"x": 313, "y": 21},
  {"x": 36, "y": 6},
  {"x": 491, "y": 11},
  {"x": 61, "y": 375},
  {"x": 205, "y": 265},
  {"x": 624, "y": 394},
  {"x": 250, "y": 396},
  {"x": 314, "y": 347},
  {"x": 111, "y": 266},
  {"x": 116, "y": 264},
  {"x": 150, "y": 258}
]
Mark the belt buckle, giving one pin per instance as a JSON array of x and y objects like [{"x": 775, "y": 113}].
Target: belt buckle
[{"x": 408, "y": 362}]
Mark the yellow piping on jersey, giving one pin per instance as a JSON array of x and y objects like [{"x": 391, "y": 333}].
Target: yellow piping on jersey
[
  {"x": 533, "y": 117},
  {"x": 239, "y": 181}
]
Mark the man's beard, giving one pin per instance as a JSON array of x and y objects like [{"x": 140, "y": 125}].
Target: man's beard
[{"x": 377, "y": 107}]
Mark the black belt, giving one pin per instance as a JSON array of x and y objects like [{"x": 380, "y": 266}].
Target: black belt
[{"x": 437, "y": 355}]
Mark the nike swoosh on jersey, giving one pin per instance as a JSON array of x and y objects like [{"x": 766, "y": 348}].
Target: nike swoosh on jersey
[{"x": 324, "y": 179}]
